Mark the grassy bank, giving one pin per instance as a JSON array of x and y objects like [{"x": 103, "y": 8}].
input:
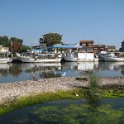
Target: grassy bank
[
  {"x": 39, "y": 98},
  {"x": 59, "y": 95}
]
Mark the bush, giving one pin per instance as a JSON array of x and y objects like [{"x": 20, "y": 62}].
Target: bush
[{"x": 93, "y": 90}]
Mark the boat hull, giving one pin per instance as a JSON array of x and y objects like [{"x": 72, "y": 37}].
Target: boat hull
[
  {"x": 113, "y": 59},
  {"x": 5, "y": 60},
  {"x": 33, "y": 60}
]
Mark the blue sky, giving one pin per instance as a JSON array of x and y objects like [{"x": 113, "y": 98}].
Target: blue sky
[{"x": 98, "y": 20}]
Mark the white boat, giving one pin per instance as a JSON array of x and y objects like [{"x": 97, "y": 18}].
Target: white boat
[
  {"x": 111, "y": 57},
  {"x": 79, "y": 57},
  {"x": 101, "y": 55},
  {"x": 39, "y": 58},
  {"x": 4, "y": 58}
]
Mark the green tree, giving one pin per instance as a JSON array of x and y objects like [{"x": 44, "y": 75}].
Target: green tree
[
  {"x": 25, "y": 48},
  {"x": 4, "y": 41},
  {"x": 51, "y": 39}
]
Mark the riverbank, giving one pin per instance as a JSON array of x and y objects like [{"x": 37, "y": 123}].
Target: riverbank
[{"x": 11, "y": 91}]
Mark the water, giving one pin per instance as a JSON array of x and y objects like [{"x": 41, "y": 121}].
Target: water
[
  {"x": 105, "y": 111},
  {"x": 14, "y": 72}
]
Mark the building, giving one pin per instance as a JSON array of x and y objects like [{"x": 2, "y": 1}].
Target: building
[
  {"x": 98, "y": 48},
  {"x": 87, "y": 43},
  {"x": 90, "y": 47},
  {"x": 111, "y": 48},
  {"x": 4, "y": 49}
]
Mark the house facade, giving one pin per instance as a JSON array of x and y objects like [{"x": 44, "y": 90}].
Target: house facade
[
  {"x": 88, "y": 44},
  {"x": 98, "y": 48},
  {"x": 111, "y": 48},
  {"x": 4, "y": 49}
]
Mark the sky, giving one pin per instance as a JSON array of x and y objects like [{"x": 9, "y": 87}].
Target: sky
[{"x": 98, "y": 20}]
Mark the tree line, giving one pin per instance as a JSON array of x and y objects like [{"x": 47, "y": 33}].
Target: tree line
[{"x": 16, "y": 44}]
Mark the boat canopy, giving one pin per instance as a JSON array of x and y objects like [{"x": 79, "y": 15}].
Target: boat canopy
[
  {"x": 38, "y": 50},
  {"x": 65, "y": 46}
]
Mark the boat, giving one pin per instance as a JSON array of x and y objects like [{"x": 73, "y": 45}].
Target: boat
[
  {"x": 113, "y": 57},
  {"x": 4, "y": 58},
  {"x": 39, "y": 58},
  {"x": 79, "y": 57},
  {"x": 101, "y": 55}
]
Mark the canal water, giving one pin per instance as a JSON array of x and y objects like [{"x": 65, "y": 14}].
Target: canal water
[
  {"x": 14, "y": 72},
  {"x": 105, "y": 111}
]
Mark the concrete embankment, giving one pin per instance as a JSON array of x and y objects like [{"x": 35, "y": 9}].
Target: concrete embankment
[{"x": 10, "y": 91}]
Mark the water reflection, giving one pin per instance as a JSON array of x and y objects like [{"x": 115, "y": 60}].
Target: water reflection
[
  {"x": 15, "y": 72},
  {"x": 110, "y": 69},
  {"x": 80, "y": 65}
]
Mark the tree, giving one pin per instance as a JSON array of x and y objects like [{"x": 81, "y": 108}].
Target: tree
[
  {"x": 51, "y": 39},
  {"x": 25, "y": 48},
  {"x": 16, "y": 44},
  {"x": 4, "y": 41}
]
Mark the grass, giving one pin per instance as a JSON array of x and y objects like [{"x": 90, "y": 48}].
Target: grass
[{"x": 39, "y": 98}]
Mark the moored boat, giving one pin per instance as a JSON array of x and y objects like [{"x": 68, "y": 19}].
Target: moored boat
[
  {"x": 79, "y": 57},
  {"x": 4, "y": 58},
  {"x": 39, "y": 58},
  {"x": 112, "y": 57}
]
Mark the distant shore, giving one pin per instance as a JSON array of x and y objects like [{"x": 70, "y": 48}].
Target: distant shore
[{"x": 24, "y": 88}]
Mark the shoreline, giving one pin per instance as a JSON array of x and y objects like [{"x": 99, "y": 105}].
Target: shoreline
[{"x": 10, "y": 91}]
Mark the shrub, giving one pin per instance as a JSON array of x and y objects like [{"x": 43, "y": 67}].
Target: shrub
[{"x": 93, "y": 90}]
